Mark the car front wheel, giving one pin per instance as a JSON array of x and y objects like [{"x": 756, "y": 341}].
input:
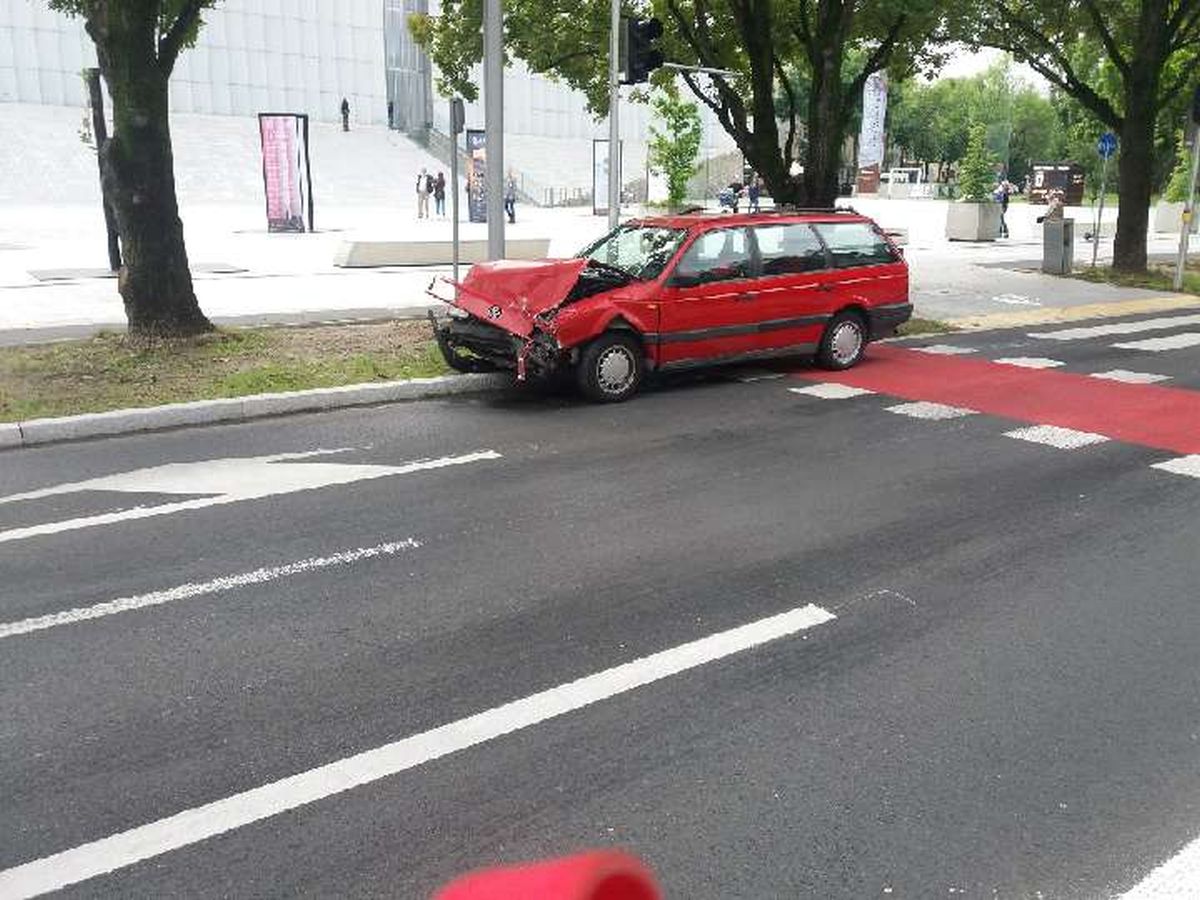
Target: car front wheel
[
  {"x": 844, "y": 342},
  {"x": 610, "y": 368}
]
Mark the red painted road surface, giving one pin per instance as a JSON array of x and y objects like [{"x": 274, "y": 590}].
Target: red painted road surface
[{"x": 1164, "y": 418}]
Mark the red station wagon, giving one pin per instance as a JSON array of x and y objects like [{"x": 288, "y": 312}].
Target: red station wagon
[{"x": 672, "y": 292}]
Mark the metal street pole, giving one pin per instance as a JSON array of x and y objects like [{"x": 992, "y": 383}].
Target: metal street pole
[
  {"x": 614, "y": 118},
  {"x": 493, "y": 122},
  {"x": 1100, "y": 213},
  {"x": 455, "y": 112},
  {"x": 1189, "y": 211}
]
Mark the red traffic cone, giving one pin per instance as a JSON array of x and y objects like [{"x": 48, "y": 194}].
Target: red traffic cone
[{"x": 601, "y": 875}]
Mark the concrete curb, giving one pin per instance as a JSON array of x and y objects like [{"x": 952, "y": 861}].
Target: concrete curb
[{"x": 238, "y": 409}]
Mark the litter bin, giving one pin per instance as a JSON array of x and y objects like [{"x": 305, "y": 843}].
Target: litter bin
[{"x": 1058, "y": 246}]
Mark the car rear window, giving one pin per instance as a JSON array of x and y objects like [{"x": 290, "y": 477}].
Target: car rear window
[
  {"x": 855, "y": 244},
  {"x": 789, "y": 248}
]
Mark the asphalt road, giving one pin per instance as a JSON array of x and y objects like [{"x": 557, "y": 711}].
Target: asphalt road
[{"x": 1000, "y": 698}]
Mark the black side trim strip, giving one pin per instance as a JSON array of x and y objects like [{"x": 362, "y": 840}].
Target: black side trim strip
[
  {"x": 700, "y": 334},
  {"x": 773, "y": 353}
]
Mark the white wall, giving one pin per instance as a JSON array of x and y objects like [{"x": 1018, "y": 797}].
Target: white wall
[{"x": 252, "y": 56}]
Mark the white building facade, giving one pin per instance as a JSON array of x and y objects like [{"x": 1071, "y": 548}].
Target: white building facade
[{"x": 304, "y": 56}]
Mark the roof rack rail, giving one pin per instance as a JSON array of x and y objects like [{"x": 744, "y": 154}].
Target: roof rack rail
[{"x": 785, "y": 209}]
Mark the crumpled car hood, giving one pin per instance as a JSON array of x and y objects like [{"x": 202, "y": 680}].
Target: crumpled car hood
[{"x": 509, "y": 293}]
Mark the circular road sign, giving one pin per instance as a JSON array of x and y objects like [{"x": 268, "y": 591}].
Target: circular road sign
[{"x": 1107, "y": 145}]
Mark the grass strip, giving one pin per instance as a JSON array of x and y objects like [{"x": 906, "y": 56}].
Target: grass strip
[{"x": 110, "y": 371}]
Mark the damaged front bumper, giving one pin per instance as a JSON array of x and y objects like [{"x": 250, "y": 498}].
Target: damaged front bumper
[{"x": 469, "y": 344}]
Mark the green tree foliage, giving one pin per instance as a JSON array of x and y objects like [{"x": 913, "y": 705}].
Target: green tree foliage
[
  {"x": 1125, "y": 61},
  {"x": 976, "y": 171},
  {"x": 831, "y": 46},
  {"x": 675, "y": 146},
  {"x": 932, "y": 122},
  {"x": 137, "y": 44},
  {"x": 1178, "y": 184}
]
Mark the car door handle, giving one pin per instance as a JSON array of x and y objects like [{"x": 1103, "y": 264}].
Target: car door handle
[
  {"x": 746, "y": 296},
  {"x": 827, "y": 287}
]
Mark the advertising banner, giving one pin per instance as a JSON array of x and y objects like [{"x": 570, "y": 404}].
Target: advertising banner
[
  {"x": 874, "y": 112},
  {"x": 476, "y": 175},
  {"x": 287, "y": 177}
]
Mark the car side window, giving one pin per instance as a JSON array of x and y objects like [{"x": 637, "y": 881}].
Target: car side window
[
  {"x": 855, "y": 244},
  {"x": 721, "y": 255},
  {"x": 789, "y": 248}
]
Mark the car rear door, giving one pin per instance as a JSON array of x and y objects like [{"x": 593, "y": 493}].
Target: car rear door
[
  {"x": 795, "y": 289},
  {"x": 869, "y": 271},
  {"x": 707, "y": 307}
]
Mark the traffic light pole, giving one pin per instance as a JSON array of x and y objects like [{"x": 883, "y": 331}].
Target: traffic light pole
[
  {"x": 493, "y": 122},
  {"x": 614, "y": 118},
  {"x": 1189, "y": 211}
]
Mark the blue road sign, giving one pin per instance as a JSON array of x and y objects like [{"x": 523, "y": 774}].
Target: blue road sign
[{"x": 1107, "y": 145}]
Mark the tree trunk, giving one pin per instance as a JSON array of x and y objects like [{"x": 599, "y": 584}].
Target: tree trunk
[
  {"x": 826, "y": 119},
  {"x": 138, "y": 171}
]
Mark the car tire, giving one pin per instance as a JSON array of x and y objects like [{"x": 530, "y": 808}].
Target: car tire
[
  {"x": 610, "y": 368},
  {"x": 844, "y": 341}
]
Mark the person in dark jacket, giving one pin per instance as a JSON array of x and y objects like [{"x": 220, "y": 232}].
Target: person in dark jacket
[
  {"x": 439, "y": 194},
  {"x": 345, "y": 114}
]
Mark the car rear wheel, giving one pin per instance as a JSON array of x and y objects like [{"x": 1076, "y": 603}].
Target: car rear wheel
[
  {"x": 844, "y": 341},
  {"x": 610, "y": 368}
]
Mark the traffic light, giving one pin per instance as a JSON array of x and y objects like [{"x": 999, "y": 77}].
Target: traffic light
[{"x": 641, "y": 56}]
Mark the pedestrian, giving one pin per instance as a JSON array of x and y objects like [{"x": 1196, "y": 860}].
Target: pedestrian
[
  {"x": 1054, "y": 207},
  {"x": 391, "y": 114},
  {"x": 439, "y": 194},
  {"x": 345, "y": 114},
  {"x": 754, "y": 193},
  {"x": 1003, "y": 190},
  {"x": 510, "y": 197},
  {"x": 424, "y": 189}
]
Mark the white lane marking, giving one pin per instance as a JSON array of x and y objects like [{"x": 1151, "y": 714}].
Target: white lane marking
[
  {"x": 1030, "y": 362},
  {"x": 945, "y": 350},
  {"x": 1091, "y": 331},
  {"x": 1054, "y": 436},
  {"x": 1131, "y": 377},
  {"x": 1182, "y": 465},
  {"x": 146, "y": 841},
  {"x": 202, "y": 588},
  {"x": 923, "y": 409},
  {"x": 1157, "y": 345},
  {"x": 831, "y": 391},
  {"x": 230, "y": 480},
  {"x": 1016, "y": 300},
  {"x": 1176, "y": 878}
]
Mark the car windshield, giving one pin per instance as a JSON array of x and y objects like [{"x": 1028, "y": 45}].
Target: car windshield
[{"x": 640, "y": 251}]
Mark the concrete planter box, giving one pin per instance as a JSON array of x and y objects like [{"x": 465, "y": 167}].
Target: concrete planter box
[
  {"x": 970, "y": 221},
  {"x": 1167, "y": 217}
]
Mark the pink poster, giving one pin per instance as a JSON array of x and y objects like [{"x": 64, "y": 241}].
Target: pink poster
[{"x": 284, "y": 139}]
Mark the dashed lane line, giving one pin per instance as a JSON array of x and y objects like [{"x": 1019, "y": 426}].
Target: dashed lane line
[
  {"x": 1183, "y": 465},
  {"x": 190, "y": 826},
  {"x": 1158, "y": 345},
  {"x": 1176, "y": 879},
  {"x": 1114, "y": 328},
  {"x": 203, "y": 588},
  {"x": 830, "y": 391},
  {"x": 945, "y": 350},
  {"x": 1029, "y": 362},
  {"x": 1131, "y": 377},
  {"x": 1054, "y": 436},
  {"x": 922, "y": 409}
]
